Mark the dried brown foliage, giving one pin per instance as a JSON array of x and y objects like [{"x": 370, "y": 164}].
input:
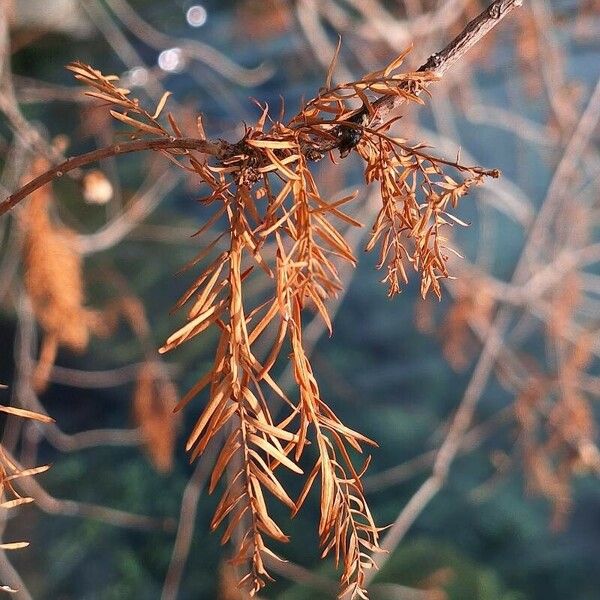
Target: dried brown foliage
[
  {"x": 565, "y": 444},
  {"x": 154, "y": 399},
  {"x": 10, "y": 497},
  {"x": 278, "y": 226},
  {"x": 53, "y": 280},
  {"x": 553, "y": 411},
  {"x": 472, "y": 304},
  {"x": 55, "y": 284},
  {"x": 530, "y": 52},
  {"x": 557, "y": 430}
]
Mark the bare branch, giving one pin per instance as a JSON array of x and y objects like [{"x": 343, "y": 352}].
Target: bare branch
[
  {"x": 70, "y": 508},
  {"x": 185, "y": 528},
  {"x": 442, "y": 61},
  {"x": 204, "y": 146}
]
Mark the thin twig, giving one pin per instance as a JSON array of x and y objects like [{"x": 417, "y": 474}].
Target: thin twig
[
  {"x": 473, "y": 439},
  {"x": 11, "y": 577},
  {"x": 97, "y": 379},
  {"x": 185, "y": 528},
  {"x": 204, "y": 146},
  {"x": 71, "y": 508},
  {"x": 141, "y": 205},
  {"x": 440, "y": 62}
]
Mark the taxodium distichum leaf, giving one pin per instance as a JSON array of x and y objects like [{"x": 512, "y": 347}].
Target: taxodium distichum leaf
[{"x": 280, "y": 227}]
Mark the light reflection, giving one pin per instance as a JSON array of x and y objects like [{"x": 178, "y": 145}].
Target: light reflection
[
  {"x": 196, "y": 15},
  {"x": 136, "y": 77},
  {"x": 171, "y": 60}
]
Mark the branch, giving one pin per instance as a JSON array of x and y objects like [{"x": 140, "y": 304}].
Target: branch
[
  {"x": 204, "y": 146},
  {"x": 472, "y": 439},
  {"x": 139, "y": 207},
  {"x": 95, "y": 379},
  {"x": 71, "y": 508},
  {"x": 450, "y": 446},
  {"x": 185, "y": 527},
  {"x": 475, "y": 30},
  {"x": 10, "y": 577},
  {"x": 440, "y": 62}
]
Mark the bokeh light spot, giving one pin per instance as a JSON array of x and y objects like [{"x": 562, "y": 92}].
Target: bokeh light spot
[
  {"x": 171, "y": 60},
  {"x": 196, "y": 15}
]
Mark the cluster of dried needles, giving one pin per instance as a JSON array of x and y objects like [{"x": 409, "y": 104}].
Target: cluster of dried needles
[
  {"x": 274, "y": 223},
  {"x": 10, "y": 472}
]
